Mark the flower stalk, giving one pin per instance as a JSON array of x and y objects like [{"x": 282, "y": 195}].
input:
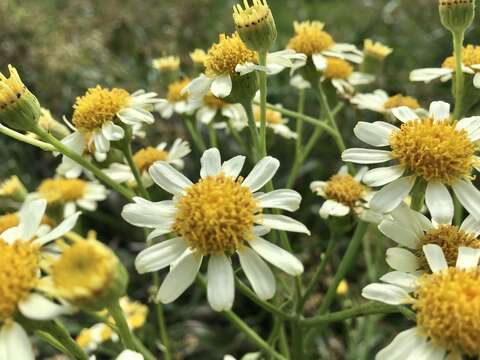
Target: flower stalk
[{"x": 124, "y": 331}]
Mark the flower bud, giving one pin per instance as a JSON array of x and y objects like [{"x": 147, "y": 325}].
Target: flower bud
[
  {"x": 19, "y": 108},
  {"x": 255, "y": 25},
  {"x": 243, "y": 88},
  {"x": 52, "y": 126},
  {"x": 457, "y": 15}
]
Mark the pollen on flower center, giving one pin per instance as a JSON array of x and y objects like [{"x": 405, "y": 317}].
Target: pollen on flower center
[
  {"x": 97, "y": 107},
  {"x": 273, "y": 117},
  {"x": 216, "y": 215},
  {"x": 146, "y": 157},
  {"x": 174, "y": 93},
  {"x": 224, "y": 56},
  {"x": 57, "y": 191},
  {"x": 470, "y": 56},
  {"x": 8, "y": 221},
  {"x": 433, "y": 150},
  {"x": 401, "y": 100},
  {"x": 18, "y": 274},
  {"x": 11, "y": 88},
  {"x": 310, "y": 38},
  {"x": 448, "y": 309},
  {"x": 213, "y": 101},
  {"x": 337, "y": 69},
  {"x": 449, "y": 238},
  {"x": 344, "y": 189}
]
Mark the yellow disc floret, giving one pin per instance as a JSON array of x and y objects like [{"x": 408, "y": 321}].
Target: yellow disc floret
[
  {"x": 174, "y": 93},
  {"x": 146, "y": 157},
  {"x": 97, "y": 107},
  {"x": 273, "y": 117},
  {"x": 337, "y": 69},
  {"x": 251, "y": 15},
  {"x": 376, "y": 49},
  {"x": 448, "y": 309},
  {"x": 18, "y": 275},
  {"x": 167, "y": 63},
  {"x": 216, "y": 215},
  {"x": 310, "y": 38},
  {"x": 401, "y": 100},
  {"x": 59, "y": 191},
  {"x": 198, "y": 56},
  {"x": 470, "y": 56},
  {"x": 434, "y": 150},
  {"x": 8, "y": 221},
  {"x": 344, "y": 189},
  {"x": 11, "y": 88},
  {"x": 224, "y": 56}
]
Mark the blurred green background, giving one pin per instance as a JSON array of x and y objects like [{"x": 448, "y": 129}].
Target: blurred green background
[{"x": 63, "y": 47}]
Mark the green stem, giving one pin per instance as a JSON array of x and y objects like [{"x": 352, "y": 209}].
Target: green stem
[
  {"x": 61, "y": 335},
  {"x": 196, "y": 137},
  {"x": 123, "y": 329},
  {"x": 459, "y": 75},
  {"x": 299, "y": 125},
  {"x": 253, "y": 129},
  {"x": 238, "y": 138},
  {"x": 167, "y": 351},
  {"x": 418, "y": 195},
  {"x": 212, "y": 134},
  {"x": 262, "y": 76},
  {"x": 26, "y": 139},
  {"x": 283, "y": 343},
  {"x": 83, "y": 162},
  {"x": 458, "y": 213}
]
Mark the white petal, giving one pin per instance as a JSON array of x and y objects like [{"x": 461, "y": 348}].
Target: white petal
[
  {"x": 333, "y": 208},
  {"x": 149, "y": 214},
  {"x": 386, "y": 293},
  {"x": 258, "y": 273},
  {"x": 366, "y": 156},
  {"x": 403, "y": 344},
  {"x": 435, "y": 257},
  {"x": 102, "y": 144},
  {"x": 404, "y": 114},
  {"x": 211, "y": 163},
  {"x": 467, "y": 258},
  {"x": 413, "y": 220},
  {"x": 469, "y": 196},
  {"x": 179, "y": 278},
  {"x": 222, "y": 86},
  {"x": 198, "y": 87},
  {"x": 400, "y": 234},
  {"x": 262, "y": 173},
  {"x": 64, "y": 227},
  {"x": 476, "y": 80},
  {"x": 234, "y": 166},
  {"x": 372, "y": 134},
  {"x": 282, "y": 222},
  {"x": 284, "y": 199},
  {"x": 472, "y": 126},
  {"x": 428, "y": 74},
  {"x": 277, "y": 256},
  {"x": 391, "y": 195},
  {"x": 439, "y": 202},
  {"x": 427, "y": 351},
  {"x": 129, "y": 355},
  {"x": 402, "y": 260},
  {"x": 14, "y": 343},
  {"x": 169, "y": 178},
  {"x": 319, "y": 61},
  {"x": 439, "y": 110},
  {"x": 159, "y": 231},
  {"x": 113, "y": 132},
  {"x": 401, "y": 279},
  {"x": 220, "y": 283},
  {"x": 471, "y": 225},
  {"x": 37, "y": 307},
  {"x": 383, "y": 175},
  {"x": 30, "y": 217},
  {"x": 206, "y": 114},
  {"x": 160, "y": 255}
]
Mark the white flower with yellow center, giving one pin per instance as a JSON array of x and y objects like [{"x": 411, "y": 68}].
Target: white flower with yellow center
[
  {"x": 376, "y": 49},
  {"x": 166, "y": 63},
  {"x": 231, "y": 58},
  {"x": 20, "y": 290},
  {"x": 97, "y": 115},
  {"x": 209, "y": 106},
  {"x": 311, "y": 39},
  {"x": 379, "y": 101},
  {"x": 434, "y": 150},
  {"x": 146, "y": 157},
  {"x": 216, "y": 217},
  {"x": 71, "y": 193},
  {"x": 447, "y": 306},
  {"x": 176, "y": 101},
  {"x": 471, "y": 66}
]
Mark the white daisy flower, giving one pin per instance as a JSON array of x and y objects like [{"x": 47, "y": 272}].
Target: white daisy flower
[
  {"x": 71, "y": 193},
  {"x": 146, "y": 157},
  {"x": 209, "y": 106},
  {"x": 21, "y": 254},
  {"x": 432, "y": 149},
  {"x": 411, "y": 230},
  {"x": 217, "y": 216},
  {"x": 310, "y": 39},
  {"x": 176, "y": 101},
  {"x": 229, "y": 60},
  {"x": 446, "y": 303},
  {"x": 471, "y": 66}
]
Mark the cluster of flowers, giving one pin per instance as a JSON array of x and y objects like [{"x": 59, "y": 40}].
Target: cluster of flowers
[{"x": 48, "y": 270}]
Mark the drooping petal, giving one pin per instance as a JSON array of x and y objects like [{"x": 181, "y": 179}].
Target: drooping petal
[
  {"x": 222, "y": 86},
  {"x": 435, "y": 257},
  {"x": 333, "y": 208},
  {"x": 258, "y": 273},
  {"x": 399, "y": 234},
  {"x": 401, "y": 347},
  {"x": 112, "y": 132},
  {"x": 319, "y": 61},
  {"x": 14, "y": 343},
  {"x": 262, "y": 173},
  {"x": 391, "y": 195},
  {"x": 439, "y": 202},
  {"x": 37, "y": 307},
  {"x": 64, "y": 227},
  {"x": 220, "y": 283},
  {"x": 469, "y": 196},
  {"x": 402, "y": 260},
  {"x": 160, "y": 255}
]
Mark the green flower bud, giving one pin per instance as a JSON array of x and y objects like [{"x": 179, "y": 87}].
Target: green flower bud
[
  {"x": 243, "y": 88},
  {"x": 457, "y": 15}
]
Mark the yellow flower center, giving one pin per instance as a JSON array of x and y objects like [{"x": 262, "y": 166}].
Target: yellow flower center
[
  {"x": 213, "y": 101},
  {"x": 310, "y": 38},
  {"x": 448, "y": 309},
  {"x": 216, "y": 215},
  {"x": 11, "y": 88},
  {"x": 470, "y": 56},
  {"x": 337, "y": 69},
  {"x": 252, "y": 15},
  {"x": 376, "y": 49},
  {"x": 198, "y": 56},
  {"x": 174, "y": 90},
  {"x": 344, "y": 189},
  {"x": 433, "y": 150},
  {"x": 8, "y": 221},
  {"x": 224, "y": 56},
  {"x": 449, "y": 238},
  {"x": 400, "y": 100},
  {"x": 84, "y": 270},
  {"x": 11, "y": 186},
  {"x": 18, "y": 274},
  {"x": 146, "y": 157},
  {"x": 273, "y": 117},
  {"x": 57, "y": 191},
  {"x": 97, "y": 107},
  {"x": 167, "y": 63}
]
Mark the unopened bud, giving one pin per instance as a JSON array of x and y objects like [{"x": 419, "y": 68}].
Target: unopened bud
[{"x": 456, "y": 15}]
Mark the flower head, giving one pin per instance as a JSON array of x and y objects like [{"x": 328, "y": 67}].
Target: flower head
[
  {"x": 456, "y": 15},
  {"x": 13, "y": 188},
  {"x": 166, "y": 63},
  {"x": 310, "y": 38},
  {"x": 376, "y": 50},
  {"x": 176, "y": 99},
  {"x": 198, "y": 56},
  {"x": 49, "y": 124}
]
